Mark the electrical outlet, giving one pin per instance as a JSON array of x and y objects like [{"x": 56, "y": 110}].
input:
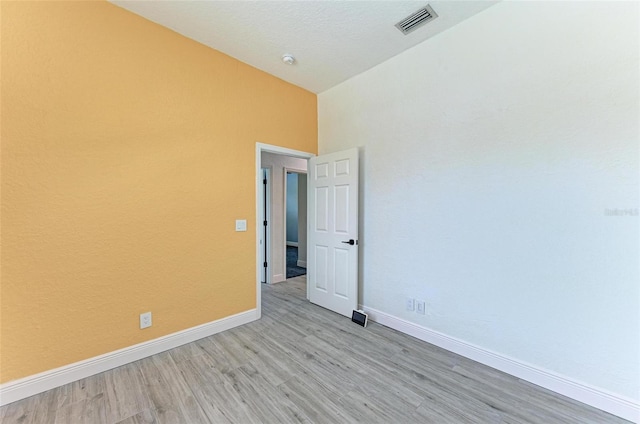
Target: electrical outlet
[
  {"x": 420, "y": 307},
  {"x": 145, "y": 320},
  {"x": 411, "y": 304}
]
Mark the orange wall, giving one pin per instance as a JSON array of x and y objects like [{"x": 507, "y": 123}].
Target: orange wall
[{"x": 128, "y": 151}]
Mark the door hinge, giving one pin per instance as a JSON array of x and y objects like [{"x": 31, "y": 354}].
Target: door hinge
[
  {"x": 265, "y": 265},
  {"x": 264, "y": 181},
  {"x": 264, "y": 223}
]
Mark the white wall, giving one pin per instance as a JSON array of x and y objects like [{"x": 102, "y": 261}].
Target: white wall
[
  {"x": 277, "y": 164},
  {"x": 492, "y": 152}
]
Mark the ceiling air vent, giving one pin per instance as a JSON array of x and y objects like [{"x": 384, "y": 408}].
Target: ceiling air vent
[{"x": 416, "y": 20}]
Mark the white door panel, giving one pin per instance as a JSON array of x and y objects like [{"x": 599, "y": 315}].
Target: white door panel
[{"x": 332, "y": 268}]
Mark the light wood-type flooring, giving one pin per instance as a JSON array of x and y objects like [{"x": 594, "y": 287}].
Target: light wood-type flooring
[{"x": 301, "y": 363}]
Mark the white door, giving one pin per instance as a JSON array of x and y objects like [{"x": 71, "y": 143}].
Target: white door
[{"x": 332, "y": 260}]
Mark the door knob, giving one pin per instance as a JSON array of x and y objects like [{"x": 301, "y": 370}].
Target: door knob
[{"x": 350, "y": 242}]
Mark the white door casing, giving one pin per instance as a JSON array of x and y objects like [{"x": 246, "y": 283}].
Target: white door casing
[{"x": 332, "y": 260}]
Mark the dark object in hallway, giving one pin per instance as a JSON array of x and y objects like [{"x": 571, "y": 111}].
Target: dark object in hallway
[{"x": 293, "y": 270}]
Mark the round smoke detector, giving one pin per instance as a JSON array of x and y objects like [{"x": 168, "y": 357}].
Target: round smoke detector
[{"x": 288, "y": 59}]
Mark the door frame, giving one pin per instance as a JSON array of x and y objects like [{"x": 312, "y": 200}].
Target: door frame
[
  {"x": 265, "y": 250},
  {"x": 268, "y": 148}
]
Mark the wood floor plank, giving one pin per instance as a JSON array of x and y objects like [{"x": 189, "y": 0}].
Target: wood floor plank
[
  {"x": 47, "y": 404},
  {"x": 237, "y": 352},
  {"x": 437, "y": 413},
  {"x": 283, "y": 328},
  {"x": 374, "y": 367},
  {"x": 86, "y": 388},
  {"x": 274, "y": 363},
  {"x": 315, "y": 400},
  {"x": 226, "y": 352},
  {"x": 167, "y": 404},
  {"x": 317, "y": 364},
  {"x": 146, "y": 416},
  {"x": 37, "y": 409},
  {"x": 126, "y": 395},
  {"x": 361, "y": 407},
  {"x": 228, "y": 402},
  {"x": 265, "y": 402},
  {"x": 90, "y": 410},
  {"x": 184, "y": 352},
  {"x": 175, "y": 384},
  {"x": 21, "y": 411},
  {"x": 199, "y": 373}
]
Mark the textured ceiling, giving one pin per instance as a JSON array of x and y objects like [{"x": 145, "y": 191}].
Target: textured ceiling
[{"x": 331, "y": 40}]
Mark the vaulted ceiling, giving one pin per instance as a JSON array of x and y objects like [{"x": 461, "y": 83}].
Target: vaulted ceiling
[{"x": 331, "y": 41}]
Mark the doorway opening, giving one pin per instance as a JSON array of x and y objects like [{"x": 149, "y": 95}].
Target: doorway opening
[
  {"x": 295, "y": 222},
  {"x": 271, "y": 244}
]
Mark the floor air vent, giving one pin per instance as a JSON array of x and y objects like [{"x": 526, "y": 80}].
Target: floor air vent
[{"x": 416, "y": 20}]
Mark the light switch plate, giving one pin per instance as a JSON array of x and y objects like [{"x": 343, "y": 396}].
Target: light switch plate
[{"x": 241, "y": 225}]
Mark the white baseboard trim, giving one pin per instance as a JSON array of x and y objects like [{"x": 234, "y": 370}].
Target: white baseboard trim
[
  {"x": 626, "y": 408},
  {"x": 292, "y": 243},
  {"x": 277, "y": 278},
  {"x": 38, "y": 383},
  {"x": 302, "y": 264}
]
